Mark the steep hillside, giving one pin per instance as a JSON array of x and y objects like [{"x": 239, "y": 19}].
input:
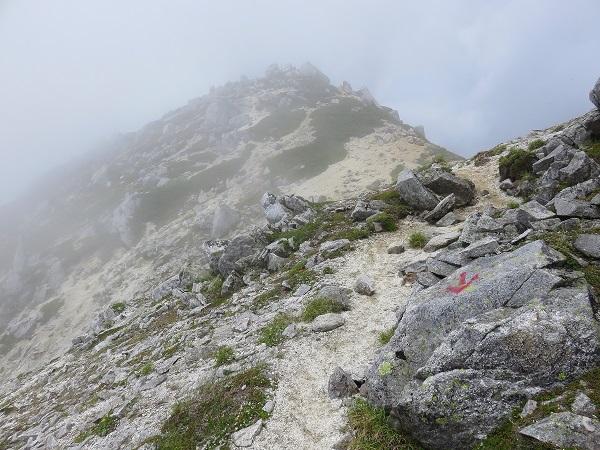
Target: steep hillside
[{"x": 101, "y": 230}]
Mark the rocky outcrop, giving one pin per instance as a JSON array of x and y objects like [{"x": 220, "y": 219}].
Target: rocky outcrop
[
  {"x": 595, "y": 94},
  {"x": 413, "y": 192},
  {"x": 489, "y": 336}
]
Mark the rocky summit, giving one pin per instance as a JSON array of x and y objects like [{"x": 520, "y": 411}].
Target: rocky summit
[{"x": 285, "y": 264}]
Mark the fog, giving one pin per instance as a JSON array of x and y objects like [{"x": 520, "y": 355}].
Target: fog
[{"x": 73, "y": 73}]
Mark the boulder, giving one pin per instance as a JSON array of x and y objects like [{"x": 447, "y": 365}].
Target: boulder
[
  {"x": 224, "y": 220},
  {"x": 276, "y": 212},
  {"x": 566, "y": 429},
  {"x": 580, "y": 169},
  {"x": 448, "y": 220},
  {"x": 462, "y": 359},
  {"x": 595, "y": 94},
  {"x": 327, "y": 322},
  {"x": 441, "y": 240},
  {"x": 341, "y": 384},
  {"x": 445, "y": 183},
  {"x": 362, "y": 211},
  {"x": 245, "y": 436},
  {"x": 584, "y": 406},
  {"x": 442, "y": 208},
  {"x": 413, "y": 192},
  {"x": 364, "y": 285},
  {"x": 239, "y": 254},
  {"x": 577, "y": 208},
  {"x": 427, "y": 279},
  {"x": 396, "y": 249},
  {"x": 589, "y": 245},
  {"x": 340, "y": 295}
]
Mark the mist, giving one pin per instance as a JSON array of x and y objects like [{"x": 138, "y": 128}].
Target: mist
[{"x": 473, "y": 73}]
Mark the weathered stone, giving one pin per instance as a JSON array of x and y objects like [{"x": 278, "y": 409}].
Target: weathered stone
[
  {"x": 528, "y": 409},
  {"x": 427, "y": 279},
  {"x": 307, "y": 70},
  {"x": 441, "y": 240},
  {"x": 580, "y": 169},
  {"x": 396, "y": 249},
  {"x": 440, "y": 268},
  {"x": 442, "y": 208},
  {"x": 340, "y": 384},
  {"x": 536, "y": 211},
  {"x": 301, "y": 290},
  {"x": 327, "y": 322},
  {"x": 577, "y": 208},
  {"x": 584, "y": 406},
  {"x": 332, "y": 246},
  {"x": 276, "y": 212},
  {"x": 239, "y": 254},
  {"x": 275, "y": 262},
  {"x": 364, "y": 285},
  {"x": 460, "y": 338},
  {"x": 507, "y": 184},
  {"x": 245, "y": 436},
  {"x": 448, "y": 220},
  {"x": 413, "y": 192},
  {"x": 595, "y": 94},
  {"x": 444, "y": 183},
  {"x": 589, "y": 245},
  {"x": 340, "y": 295},
  {"x": 566, "y": 429},
  {"x": 362, "y": 211},
  {"x": 224, "y": 220},
  {"x": 480, "y": 248},
  {"x": 165, "y": 288}
]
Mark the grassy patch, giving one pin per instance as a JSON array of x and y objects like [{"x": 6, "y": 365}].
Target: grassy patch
[
  {"x": 272, "y": 333},
  {"x": 107, "y": 425},
  {"x": 373, "y": 431},
  {"x": 320, "y": 306},
  {"x": 224, "y": 355},
  {"x": 563, "y": 242},
  {"x": 50, "y": 309},
  {"x": 118, "y": 307},
  {"x": 417, "y": 240},
  {"x": 592, "y": 148},
  {"x": 385, "y": 336},
  {"x": 482, "y": 157},
  {"x": 334, "y": 125},
  {"x": 266, "y": 298},
  {"x": 298, "y": 275},
  {"x": 515, "y": 164},
  {"x": 534, "y": 145},
  {"x": 280, "y": 123},
  {"x": 146, "y": 369},
  {"x": 387, "y": 222},
  {"x": 217, "y": 410}
]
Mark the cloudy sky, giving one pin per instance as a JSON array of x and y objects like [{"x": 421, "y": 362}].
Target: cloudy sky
[{"x": 474, "y": 73}]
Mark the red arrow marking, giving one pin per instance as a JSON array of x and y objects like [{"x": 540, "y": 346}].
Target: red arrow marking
[{"x": 462, "y": 283}]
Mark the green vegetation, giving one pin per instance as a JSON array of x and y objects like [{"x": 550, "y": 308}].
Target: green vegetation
[
  {"x": 266, "y": 298},
  {"x": 327, "y": 270},
  {"x": 482, "y": 157},
  {"x": 280, "y": 123},
  {"x": 334, "y": 125},
  {"x": 216, "y": 411},
  {"x": 319, "y": 306},
  {"x": 515, "y": 164},
  {"x": 417, "y": 240},
  {"x": 50, "y": 309},
  {"x": 385, "y": 336},
  {"x": 146, "y": 369},
  {"x": 387, "y": 222},
  {"x": 298, "y": 275},
  {"x": 372, "y": 430},
  {"x": 118, "y": 307},
  {"x": 107, "y": 425},
  {"x": 507, "y": 437},
  {"x": 272, "y": 333},
  {"x": 563, "y": 242},
  {"x": 592, "y": 148},
  {"x": 162, "y": 203},
  {"x": 534, "y": 145},
  {"x": 224, "y": 355},
  {"x": 512, "y": 204}
]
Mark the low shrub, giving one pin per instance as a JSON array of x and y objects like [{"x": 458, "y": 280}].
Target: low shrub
[
  {"x": 534, "y": 145},
  {"x": 515, "y": 164},
  {"x": 320, "y": 306},
  {"x": 387, "y": 222},
  {"x": 272, "y": 333},
  {"x": 224, "y": 355},
  {"x": 417, "y": 240}
]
